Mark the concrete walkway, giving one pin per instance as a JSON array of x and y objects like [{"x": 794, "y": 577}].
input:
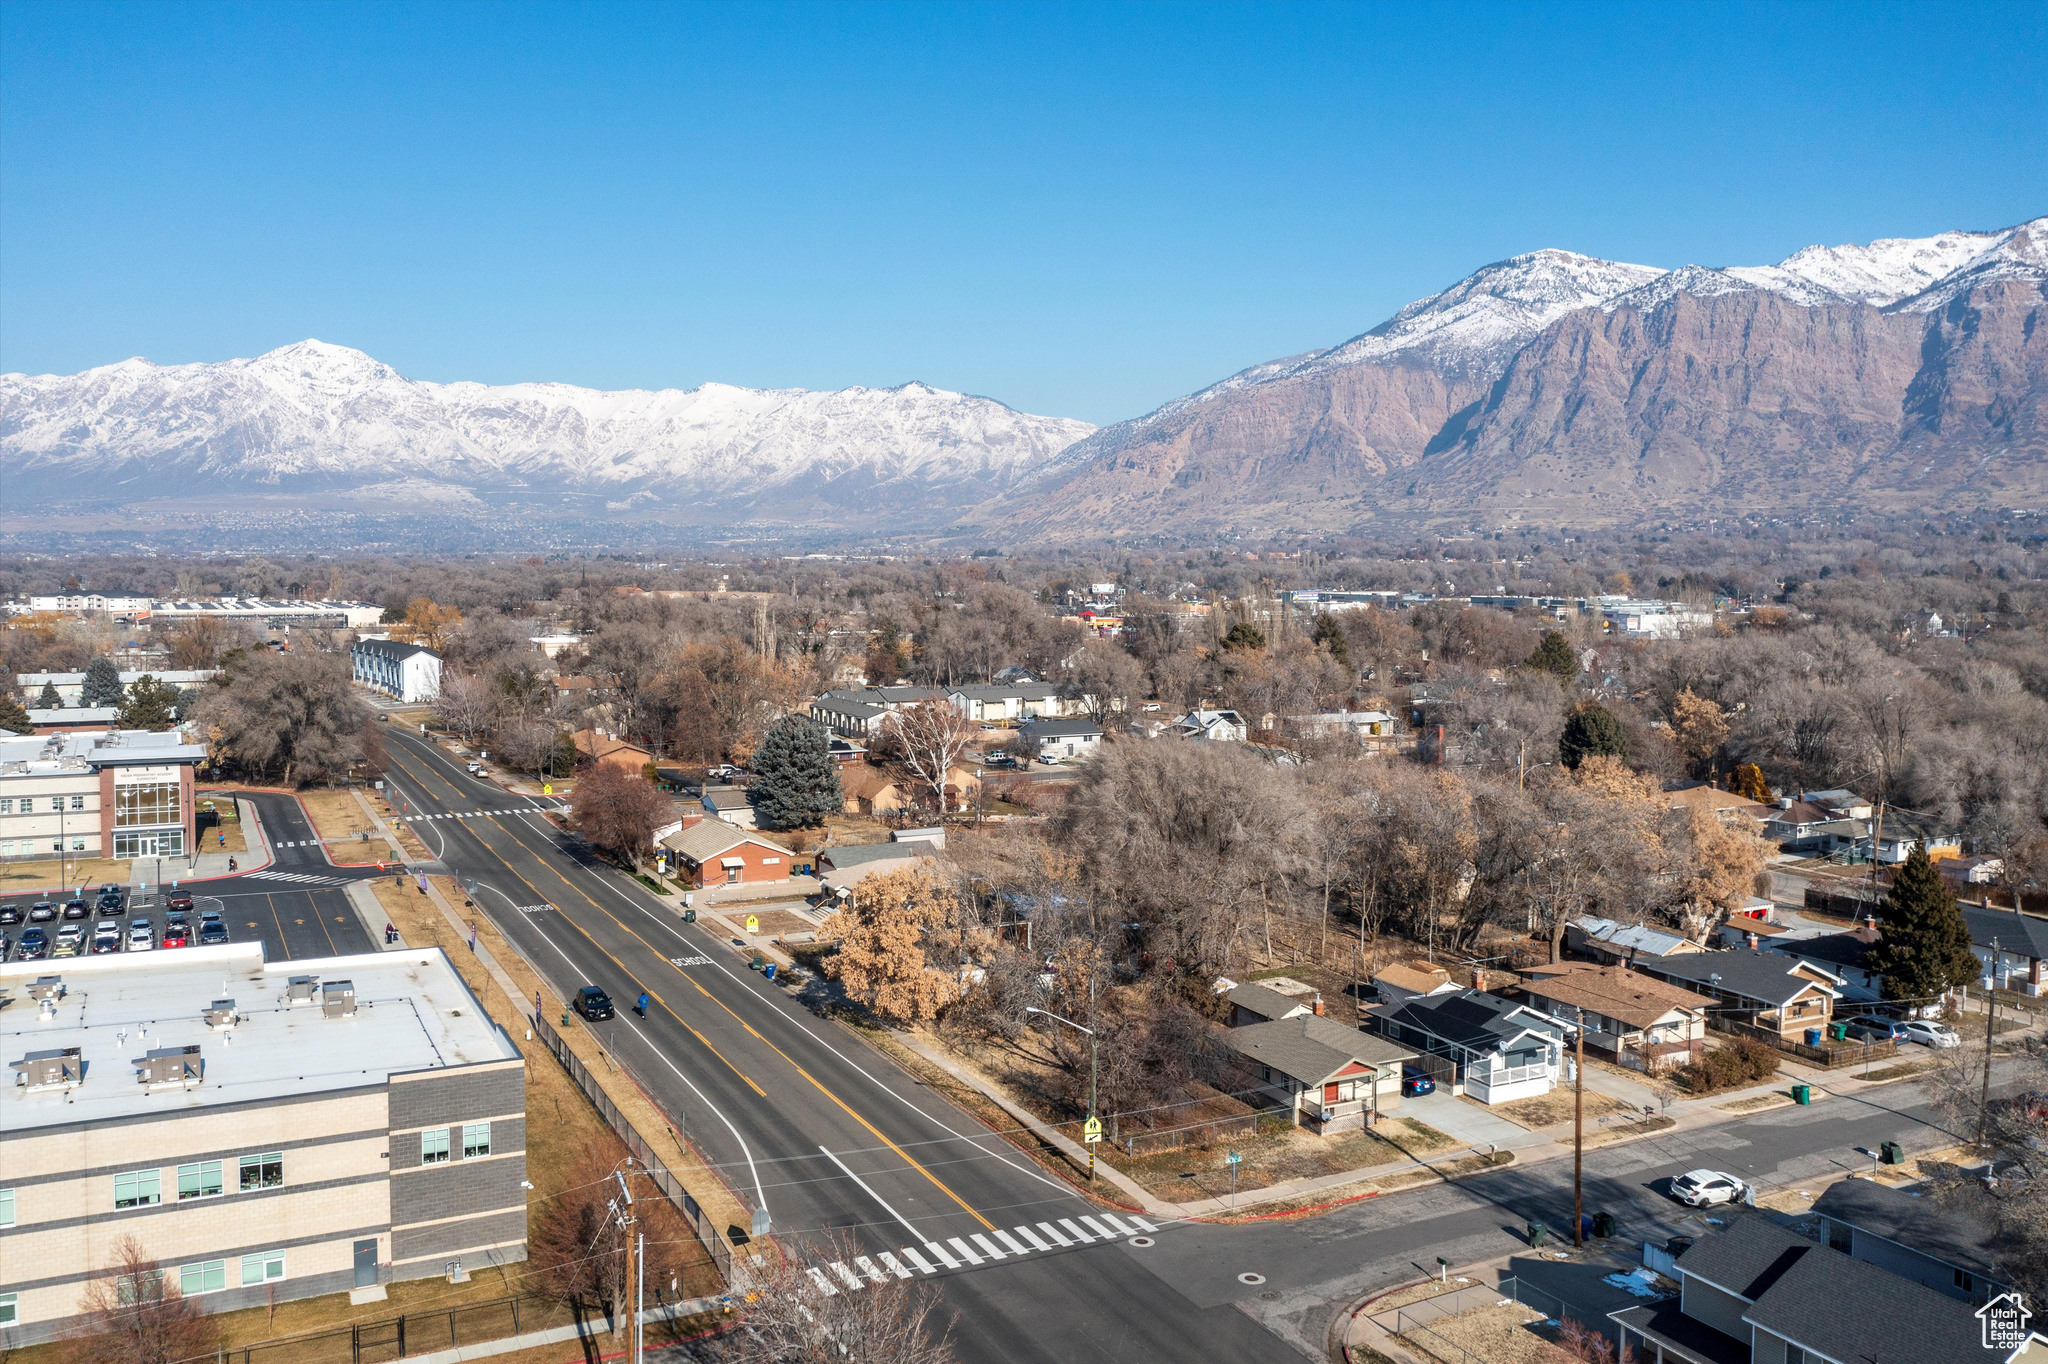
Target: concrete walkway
[{"x": 1470, "y": 1123}]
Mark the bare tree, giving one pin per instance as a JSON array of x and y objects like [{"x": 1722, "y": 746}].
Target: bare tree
[
  {"x": 293, "y": 716},
  {"x": 468, "y": 704},
  {"x": 929, "y": 738},
  {"x": 890, "y": 1322},
  {"x": 132, "y": 1313},
  {"x": 616, "y": 811},
  {"x": 2014, "y": 1201}
]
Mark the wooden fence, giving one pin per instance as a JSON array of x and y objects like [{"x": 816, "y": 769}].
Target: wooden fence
[{"x": 1828, "y": 1055}]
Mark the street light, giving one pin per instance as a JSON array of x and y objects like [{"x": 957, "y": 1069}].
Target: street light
[{"x": 1034, "y": 1009}]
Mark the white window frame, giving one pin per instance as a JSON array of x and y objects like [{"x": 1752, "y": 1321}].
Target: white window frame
[
  {"x": 6, "y": 1207},
  {"x": 199, "y": 1170},
  {"x": 438, "y": 1155},
  {"x": 256, "y": 1162},
  {"x": 199, "y": 1270},
  {"x": 472, "y": 1149},
  {"x": 269, "y": 1267},
  {"x": 155, "y": 1178},
  {"x": 10, "y": 1309}
]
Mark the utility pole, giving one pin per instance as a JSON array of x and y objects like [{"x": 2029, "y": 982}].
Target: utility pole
[
  {"x": 1876, "y": 833},
  {"x": 1990, "y": 1031},
  {"x": 1522, "y": 765},
  {"x": 636, "y": 1273},
  {"x": 1093, "y": 1128},
  {"x": 1578, "y": 1126}
]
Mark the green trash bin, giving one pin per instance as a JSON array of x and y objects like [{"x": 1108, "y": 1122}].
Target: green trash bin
[
  {"x": 1538, "y": 1233},
  {"x": 1892, "y": 1153},
  {"x": 1839, "y": 1031},
  {"x": 1802, "y": 1094}
]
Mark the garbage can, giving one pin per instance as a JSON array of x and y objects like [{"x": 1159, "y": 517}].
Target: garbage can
[
  {"x": 689, "y": 916},
  {"x": 1813, "y": 1037},
  {"x": 1603, "y": 1224},
  {"x": 1892, "y": 1153},
  {"x": 1538, "y": 1234},
  {"x": 1802, "y": 1094},
  {"x": 1839, "y": 1031}
]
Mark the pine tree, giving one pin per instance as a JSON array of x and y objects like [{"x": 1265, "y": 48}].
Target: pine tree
[
  {"x": 102, "y": 684},
  {"x": 149, "y": 705},
  {"x": 799, "y": 784},
  {"x": 49, "y": 700},
  {"x": 1245, "y": 635},
  {"x": 1591, "y": 730},
  {"x": 1330, "y": 636},
  {"x": 1747, "y": 781},
  {"x": 1925, "y": 945},
  {"x": 1554, "y": 655},
  {"x": 12, "y": 715}
]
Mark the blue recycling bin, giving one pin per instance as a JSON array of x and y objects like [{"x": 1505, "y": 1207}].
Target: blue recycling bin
[{"x": 1813, "y": 1037}]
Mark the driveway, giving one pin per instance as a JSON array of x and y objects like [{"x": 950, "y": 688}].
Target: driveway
[{"x": 1468, "y": 1123}]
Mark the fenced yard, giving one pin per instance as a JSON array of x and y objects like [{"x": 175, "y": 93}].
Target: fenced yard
[{"x": 1511, "y": 1322}]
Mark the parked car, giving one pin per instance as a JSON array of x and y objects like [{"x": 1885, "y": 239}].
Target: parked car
[
  {"x": 1705, "y": 1188},
  {"x": 179, "y": 900},
  {"x": 10, "y": 913},
  {"x": 141, "y": 935},
  {"x": 1869, "y": 1029},
  {"x": 70, "y": 941},
  {"x": 1929, "y": 1034},
  {"x": 110, "y": 891},
  {"x": 476, "y": 770},
  {"x": 106, "y": 938},
  {"x": 722, "y": 772},
  {"x": 75, "y": 909},
  {"x": 35, "y": 944},
  {"x": 593, "y": 1003},
  {"x": 108, "y": 909},
  {"x": 6, "y": 947},
  {"x": 177, "y": 933},
  {"x": 42, "y": 912},
  {"x": 999, "y": 758},
  {"x": 1415, "y": 1080},
  {"x": 212, "y": 932}
]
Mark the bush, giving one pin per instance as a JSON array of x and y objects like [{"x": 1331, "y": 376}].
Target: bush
[{"x": 1744, "y": 1061}]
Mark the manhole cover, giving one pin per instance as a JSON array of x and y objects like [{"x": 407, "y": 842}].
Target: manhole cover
[
  {"x": 1251, "y": 1278},
  {"x": 1142, "y": 1241},
  {"x": 1269, "y": 1295}
]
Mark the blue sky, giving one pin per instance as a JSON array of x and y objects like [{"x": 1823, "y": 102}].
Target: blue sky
[{"x": 1078, "y": 210}]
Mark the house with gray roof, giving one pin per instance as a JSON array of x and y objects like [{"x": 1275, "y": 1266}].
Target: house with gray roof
[
  {"x": 1763, "y": 989},
  {"x": 1611, "y": 940},
  {"x": 1758, "y": 1293},
  {"x": 1253, "y": 1003},
  {"x": 1844, "y": 955},
  {"x": 2022, "y": 946},
  {"x": 1333, "y": 1078},
  {"x": 1913, "y": 1236},
  {"x": 1500, "y": 1050},
  {"x": 1061, "y": 739}
]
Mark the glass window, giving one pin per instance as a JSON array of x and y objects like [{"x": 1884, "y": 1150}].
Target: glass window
[
  {"x": 263, "y": 1172},
  {"x": 6, "y": 805},
  {"x": 208, "y": 1276},
  {"x": 6, "y": 1207},
  {"x": 476, "y": 1140},
  {"x": 78, "y": 845},
  {"x": 78, "y": 802},
  {"x": 434, "y": 1146},
  {"x": 138, "y": 1189},
  {"x": 56, "y": 804},
  {"x": 139, "y": 1288},
  {"x": 9, "y": 1313},
  {"x": 266, "y": 1267},
  {"x": 148, "y": 803},
  {"x": 201, "y": 1180}
]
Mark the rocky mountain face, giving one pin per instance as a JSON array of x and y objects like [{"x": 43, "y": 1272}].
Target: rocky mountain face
[
  {"x": 1905, "y": 373},
  {"x": 315, "y": 418}
]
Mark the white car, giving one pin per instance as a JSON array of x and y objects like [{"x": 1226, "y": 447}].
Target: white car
[
  {"x": 141, "y": 936},
  {"x": 1705, "y": 1188},
  {"x": 1932, "y": 1034}
]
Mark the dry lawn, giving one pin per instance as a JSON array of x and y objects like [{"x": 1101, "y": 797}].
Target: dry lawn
[
  {"x": 1548, "y": 1110},
  {"x": 16, "y": 877},
  {"x": 1758, "y": 1103},
  {"x": 1278, "y": 1154},
  {"x": 1623, "y": 1129},
  {"x": 1499, "y": 1335},
  {"x": 1417, "y": 1292},
  {"x": 342, "y": 823},
  {"x": 1408, "y": 1178},
  {"x": 1888, "y": 1073}
]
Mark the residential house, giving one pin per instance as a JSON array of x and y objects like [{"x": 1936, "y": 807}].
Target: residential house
[
  {"x": 1402, "y": 981},
  {"x": 841, "y": 868},
  {"x": 845, "y": 752},
  {"x": 1007, "y": 704},
  {"x": 409, "y": 672},
  {"x": 1498, "y": 1050},
  {"x": 1630, "y": 1018},
  {"x": 1978, "y": 869},
  {"x": 1711, "y": 799},
  {"x": 595, "y": 746},
  {"x": 1800, "y": 826},
  {"x": 859, "y": 712},
  {"x": 1914, "y": 1237},
  {"x": 1841, "y": 804},
  {"x": 2022, "y": 947},
  {"x": 882, "y": 794},
  {"x": 730, "y": 805},
  {"x": 1898, "y": 834},
  {"x": 712, "y": 852},
  {"x": 1061, "y": 740},
  {"x": 1254, "y": 1003},
  {"x": 1363, "y": 726},
  {"x": 1741, "y": 932},
  {"x": 1757, "y": 1293},
  {"x": 1843, "y": 955},
  {"x": 1766, "y": 990},
  {"x": 1333, "y": 1078},
  {"x": 1214, "y": 726},
  {"x": 1611, "y": 940}
]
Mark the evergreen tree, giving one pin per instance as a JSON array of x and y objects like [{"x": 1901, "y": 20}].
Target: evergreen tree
[
  {"x": 1554, "y": 655},
  {"x": 1331, "y": 636},
  {"x": 150, "y": 704},
  {"x": 563, "y": 760},
  {"x": 1591, "y": 730},
  {"x": 1747, "y": 781},
  {"x": 1245, "y": 635},
  {"x": 799, "y": 784},
  {"x": 49, "y": 700},
  {"x": 1925, "y": 947},
  {"x": 102, "y": 684},
  {"x": 12, "y": 715}
]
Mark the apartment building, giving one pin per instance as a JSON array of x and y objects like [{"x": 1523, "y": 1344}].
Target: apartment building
[
  {"x": 264, "y": 1131},
  {"x": 104, "y": 793},
  {"x": 409, "y": 672}
]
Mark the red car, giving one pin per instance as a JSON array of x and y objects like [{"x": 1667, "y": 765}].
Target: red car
[{"x": 177, "y": 935}]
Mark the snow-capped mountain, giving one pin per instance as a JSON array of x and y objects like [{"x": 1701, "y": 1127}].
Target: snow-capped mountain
[{"x": 314, "y": 415}]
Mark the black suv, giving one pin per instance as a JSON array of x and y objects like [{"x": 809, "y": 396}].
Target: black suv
[
  {"x": 212, "y": 931},
  {"x": 10, "y": 913},
  {"x": 593, "y": 1003}
]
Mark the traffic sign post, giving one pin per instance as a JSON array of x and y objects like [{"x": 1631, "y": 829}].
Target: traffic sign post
[
  {"x": 1233, "y": 1159},
  {"x": 1443, "y": 1267},
  {"x": 1091, "y": 1133}
]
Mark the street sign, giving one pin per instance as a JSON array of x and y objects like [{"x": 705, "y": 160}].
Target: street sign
[
  {"x": 1232, "y": 1159},
  {"x": 546, "y": 788},
  {"x": 760, "y": 1222},
  {"x": 753, "y": 923},
  {"x": 1091, "y": 1130}
]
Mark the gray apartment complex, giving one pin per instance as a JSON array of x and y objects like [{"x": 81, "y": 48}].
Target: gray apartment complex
[{"x": 263, "y": 1130}]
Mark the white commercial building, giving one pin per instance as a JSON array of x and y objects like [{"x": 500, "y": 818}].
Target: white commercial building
[
  {"x": 71, "y": 686},
  {"x": 113, "y": 793},
  {"x": 409, "y": 672}
]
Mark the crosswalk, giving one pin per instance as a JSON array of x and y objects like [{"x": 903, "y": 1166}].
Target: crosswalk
[
  {"x": 303, "y": 879},
  {"x": 977, "y": 1248},
  {"x": 480, "y": 814}
]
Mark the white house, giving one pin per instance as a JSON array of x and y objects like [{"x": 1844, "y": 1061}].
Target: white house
[
  {"x": 409, "y": 672},
  {"x": 1213, "y": 725},
  {"x": 1061, "y": 739},
  {"x": 1498, "y": 1050}
]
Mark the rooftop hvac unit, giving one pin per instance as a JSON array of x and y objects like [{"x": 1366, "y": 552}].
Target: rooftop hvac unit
[
  {"x": 299, "y": 990},
  {"x": 170, "y": 1066},
  {"x": 338, "y": 999},
  {"x": 50, "y": 1069},
  {"x": 221, "y": 1014},
  {"x": 47, "y": 987}
]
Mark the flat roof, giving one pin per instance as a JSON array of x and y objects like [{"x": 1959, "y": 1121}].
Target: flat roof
[
  {"x": 413, "y": 1013},
  {"x": 49, "y": 755}
]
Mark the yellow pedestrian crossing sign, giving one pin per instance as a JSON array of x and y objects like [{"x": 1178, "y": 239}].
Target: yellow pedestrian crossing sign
[
  {"x": 753, "y": 924},
  {"x": 547, "y": 788},
  {"x": 1091, "y": 1130}
]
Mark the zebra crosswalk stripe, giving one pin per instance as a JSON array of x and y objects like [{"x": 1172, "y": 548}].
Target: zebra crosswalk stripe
[
  {"x": 1083, "y": 1237},
  {"x": 838, "y": 1277}
]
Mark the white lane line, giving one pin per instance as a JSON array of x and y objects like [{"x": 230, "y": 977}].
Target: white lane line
[
  {"x": 867, "y": 1267},
  {"x": 872, "y": 1194},
  {"x": 923, "y": 1265},
  {"x": 1121, "y": 1228},
  {"x": 1083, "y": 1236},
  {"x": 966, "y": 1251},
  {"x": 987, "y": 1245},
  {"x": 1016, "y": 1248},
  {"x": 890, "y": 1263},
  {"x": 846, "y": 1276},
  {"x": 939, "y": 1253},
  {"x": 1050, "y": 1230},
  {"x": 823, "y": 1283},
  {"x": 1143, "y": 1225},
  {"x": 1036, "y": 1244}
]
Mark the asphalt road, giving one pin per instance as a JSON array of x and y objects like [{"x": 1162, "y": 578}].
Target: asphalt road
[
  {"x": 852, "y": 1156},
  {"x": 295, "y": 906}
]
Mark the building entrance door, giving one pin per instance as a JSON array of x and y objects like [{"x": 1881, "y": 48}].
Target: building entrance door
[{"x": 366, "y": 1263}]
